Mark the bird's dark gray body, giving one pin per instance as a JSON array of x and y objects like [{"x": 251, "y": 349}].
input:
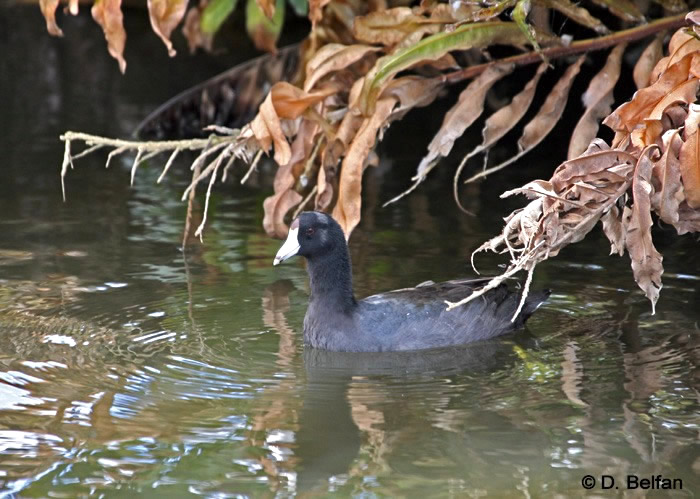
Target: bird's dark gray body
[
  {"x": 405, "y": 319},
  {"x": 417, "y": 318}
]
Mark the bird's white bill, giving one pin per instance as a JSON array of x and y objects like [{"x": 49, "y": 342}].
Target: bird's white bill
[{"x": 289, "y": 248}]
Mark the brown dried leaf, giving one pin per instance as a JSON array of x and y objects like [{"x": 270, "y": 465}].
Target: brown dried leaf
[
  {"x": 347, "y": 208},
  {"x": 551, "y": 110},
  {"x": 503, "y": 120},
  {"x": 630, "y": 114},
  {"x": 333, "y": 57},
  {"x": 543, "y": 122},
  {"x": 267, "y": 129},
  {"x": 690, "y": 158},
  {"x": 653, "y": 127},
  {"x": 688, "y": 220},
  {"x": 681, "y": 45},
  {"x": 327, "y": 175},
  {"x": 647, "y": 61},
  {"x": 108, "y": 14},
  {"x": 586, "y": 166},
  {"x": 284, "y": 101},
  {"x": 285, "y": 198},
  {"x": 193, "y": 31},
  {"x": 411, "y": 91},
  {"x": 165, "y": 15},
  {"x": 666, "y": 178},
  {"x": 460, "y": 117},
  {"x": 316, "y": 10},
  {"x": 391, "y": 26},
  {"x": 48, "y": 9},
  {"x": 598, "y": 100},
  {"x": 614, "y": 230},
  {"x": 647, "y": 264},
  {"x": 576, "y": 14}
]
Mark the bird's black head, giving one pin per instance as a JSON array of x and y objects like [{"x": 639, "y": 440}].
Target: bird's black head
[{"x": 312, "y": 234}]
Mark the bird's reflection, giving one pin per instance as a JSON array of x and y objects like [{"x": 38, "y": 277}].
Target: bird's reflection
[{"x": 335, "y": 419}]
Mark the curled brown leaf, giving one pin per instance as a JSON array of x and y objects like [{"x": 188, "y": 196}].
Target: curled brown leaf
[
  {"x": 348, "y": 206},
  {"x": 598, "y": 100},
  {"x": 108, "y": 14},
  {"x": 192, "y": 29},
  {"x": 690, "y": 158},
  {"x": 283, "y": 101},
  {"x": 390, "y": 26},
  {"x": 647, "y": 61},
  {"x": 48, "y": 9},
  {"x": 333, "y": 57},
  {"x": 468, "y": 108},
  {"x": 629, "y": 115},
  {"x": 544, "y": 121},
  {"x": 165, "y": 15},
  {"x": 647, "y": 264},
  {"x": 666, "y": 178}
]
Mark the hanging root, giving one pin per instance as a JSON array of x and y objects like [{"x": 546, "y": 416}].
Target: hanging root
[
  {"x": 526, "y": 291},
  {"x": 224, "y": 144}
]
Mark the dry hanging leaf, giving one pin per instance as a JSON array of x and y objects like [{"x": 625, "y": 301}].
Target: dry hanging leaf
[
  {"x": 503, "y": 120},
  {"x": 411, "y": 92},
  {"x": 347, "y": 208},
  {"x": 543, "y": 122},
  {"x": 690, "y": 158},
  {"x": 316, "y": 11},
  {"x": 576, "y": 14},
  {"x": 48, "y": 9},
  {"x": 681, "y": 44},
  {"x": 647, "y": 264},
  {"x": 647, "y": 61},
  {"x": 327, "y": 175},
  {"x": 285, "y": 198},
  {"x": 165, "y": 15},
  {"x": 666, "y": 178},
  {"x": 73, "y": 7},
  {"x": 108, "y": 14},
  {"x": 390, "y": 26},
  {"x": 614, "y": 230},
  {"x": 333, "y": 57},
  {"x": 598, "y": 99},
  {"x": 468, "y": 108},
  {"x": 632, "y": 113},
  {"x": 192, "y": 29},
  {"x": 284, "y": 101}
]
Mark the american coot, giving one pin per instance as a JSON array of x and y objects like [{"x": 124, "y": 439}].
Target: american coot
[{"x": 404, "y": 319}]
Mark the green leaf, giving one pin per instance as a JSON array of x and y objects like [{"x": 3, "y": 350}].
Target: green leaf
[
  {"x": 214, "y": 15},
  {"x": 263, "y": 31},
  {"x": 433, "y": 47},
  {"x": 300, "y": 7},
  {"x": 520, "y": 13}
]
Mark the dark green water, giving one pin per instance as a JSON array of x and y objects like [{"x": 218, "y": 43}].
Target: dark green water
[{"x": 127, "y": 369}]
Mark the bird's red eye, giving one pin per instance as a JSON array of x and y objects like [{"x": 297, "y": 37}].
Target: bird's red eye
[{"x": 310, "y": 231}]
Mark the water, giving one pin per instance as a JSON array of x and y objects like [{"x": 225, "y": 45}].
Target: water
[{"x": 127, "y": 369}]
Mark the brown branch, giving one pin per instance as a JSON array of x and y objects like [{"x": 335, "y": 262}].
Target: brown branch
[{"x": 578, "y": 47}]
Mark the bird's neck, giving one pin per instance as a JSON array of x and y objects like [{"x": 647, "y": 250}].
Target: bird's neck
[{"x": 330, "y": 277}]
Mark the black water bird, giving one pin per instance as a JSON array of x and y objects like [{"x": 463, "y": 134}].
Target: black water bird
[{"x": 404, "y": 319}]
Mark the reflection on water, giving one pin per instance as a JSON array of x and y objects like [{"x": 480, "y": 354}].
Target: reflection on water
[{"x": 126, "y": 365}]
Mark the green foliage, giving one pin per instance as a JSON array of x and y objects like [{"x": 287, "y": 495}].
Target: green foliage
[{"x": 214, "y": 15}]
